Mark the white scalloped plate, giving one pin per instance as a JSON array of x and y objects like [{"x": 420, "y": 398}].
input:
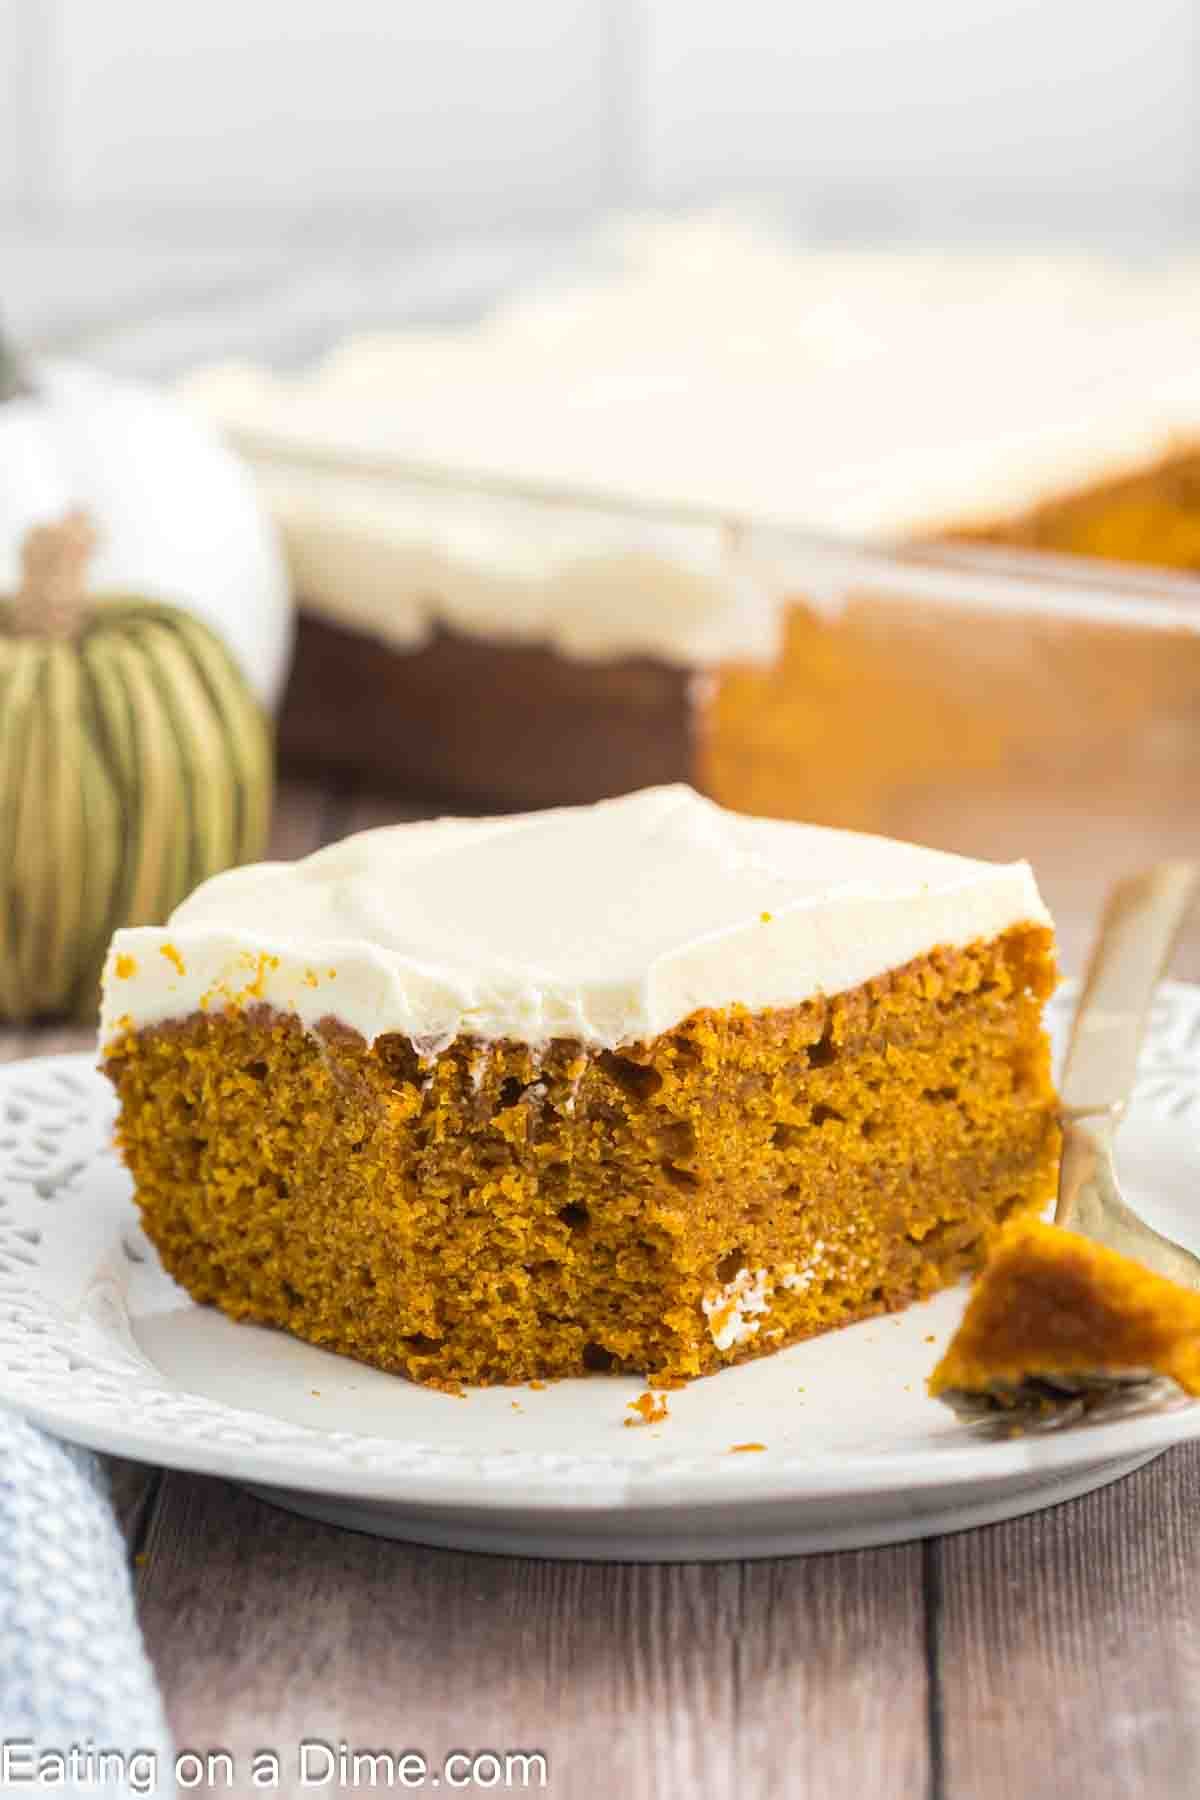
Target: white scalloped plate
[{"x": 99, "y": 1345}]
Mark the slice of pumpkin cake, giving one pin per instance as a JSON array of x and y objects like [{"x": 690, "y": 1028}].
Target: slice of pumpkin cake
[{"x": 645, "y": 1085}]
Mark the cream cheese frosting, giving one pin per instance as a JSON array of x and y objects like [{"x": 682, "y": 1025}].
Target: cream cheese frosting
[
  {"x": 709, "y": 368},
  {"x": 608, "y": 923}
]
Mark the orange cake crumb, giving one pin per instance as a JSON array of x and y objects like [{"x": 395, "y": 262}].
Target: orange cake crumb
[
  {"x": 650, "y": 1408},
  {"x": 260, "y": 962}
]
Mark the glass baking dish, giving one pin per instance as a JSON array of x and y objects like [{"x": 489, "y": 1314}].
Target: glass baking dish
[
  {"x": 1000, "y": 704},
  {"x": 490, "y": 644}
]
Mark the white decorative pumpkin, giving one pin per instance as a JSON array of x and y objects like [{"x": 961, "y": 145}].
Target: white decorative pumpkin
[{"x": 177, "y": 516}]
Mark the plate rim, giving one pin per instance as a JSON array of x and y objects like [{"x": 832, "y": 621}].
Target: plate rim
[{"x": 977, "y": 1463}]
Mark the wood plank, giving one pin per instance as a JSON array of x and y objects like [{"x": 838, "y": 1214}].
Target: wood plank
[
  {"x": 777, "y": 1678},
  {"x": 134, "y": 1488},
  {"x": 44, "y": 1040},
  {"x": 1067, "y": 1654},
  {"x": 305, "y": 816},
  {"x": 368, "y": 807}
]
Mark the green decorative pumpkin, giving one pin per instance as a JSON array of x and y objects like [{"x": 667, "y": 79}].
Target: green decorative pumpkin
[{"x": 134, "y": 763}]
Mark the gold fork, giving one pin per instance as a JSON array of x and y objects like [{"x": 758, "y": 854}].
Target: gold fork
[{"x": 1138, "y": 932}]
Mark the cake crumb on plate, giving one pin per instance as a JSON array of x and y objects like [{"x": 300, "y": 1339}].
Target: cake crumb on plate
[{"x": 651, "y": 1409}]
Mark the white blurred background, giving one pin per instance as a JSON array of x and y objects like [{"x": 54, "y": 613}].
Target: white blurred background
[{"x": 156, "y": 158}]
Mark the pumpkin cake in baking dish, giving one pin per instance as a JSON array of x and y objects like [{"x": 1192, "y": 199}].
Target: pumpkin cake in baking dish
[
  {"x": 645, "y": 1086},
  {"x": 607, "y": 502}
]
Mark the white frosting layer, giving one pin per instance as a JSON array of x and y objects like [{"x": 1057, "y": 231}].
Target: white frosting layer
[
  {"x": 609, "y": 923},
  {"x": 396, "y": 561},
  {"x": 851, "y": 393}
]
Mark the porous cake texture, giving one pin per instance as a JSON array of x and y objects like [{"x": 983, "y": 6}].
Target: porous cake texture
[{"x": 644, "y": 1086}]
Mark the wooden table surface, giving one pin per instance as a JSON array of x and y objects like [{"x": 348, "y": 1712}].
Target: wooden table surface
[{"x": 1058, "y": 1655}]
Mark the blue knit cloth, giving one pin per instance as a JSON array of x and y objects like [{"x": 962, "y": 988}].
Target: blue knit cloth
[{"x": 73, "y": 1669}]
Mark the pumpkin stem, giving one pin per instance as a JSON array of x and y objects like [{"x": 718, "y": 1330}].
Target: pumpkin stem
[{"x": 51, "y": 601}]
